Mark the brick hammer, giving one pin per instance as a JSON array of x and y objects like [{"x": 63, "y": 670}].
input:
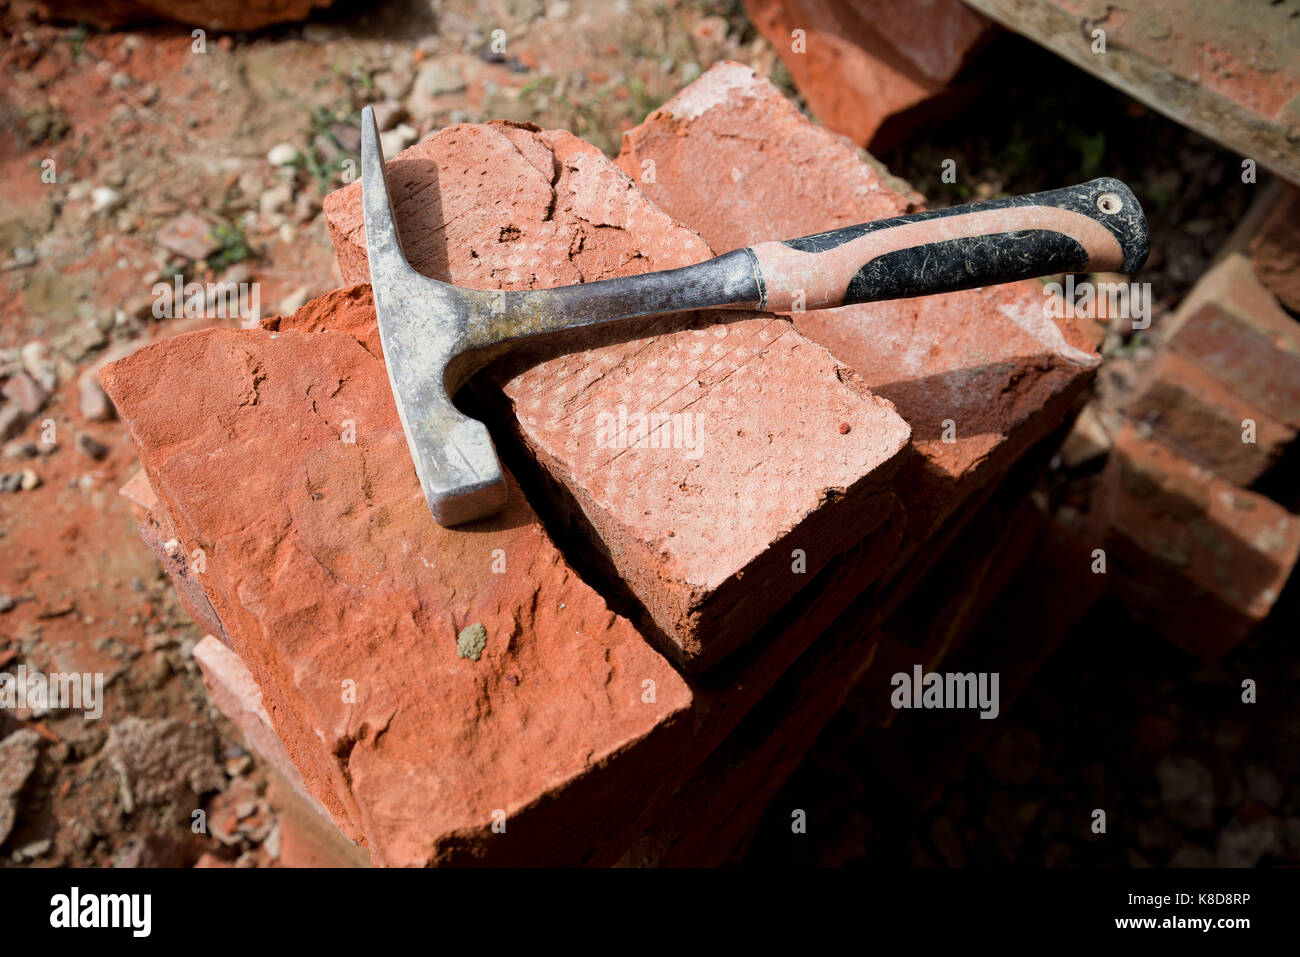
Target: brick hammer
[{"x": 435, "y": 336}]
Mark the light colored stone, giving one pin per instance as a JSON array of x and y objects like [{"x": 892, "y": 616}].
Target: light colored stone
[
  {"x": 105, "y": 200},
  {"x": 282, "y": 154},
  {"x": 394, "y": 140}
]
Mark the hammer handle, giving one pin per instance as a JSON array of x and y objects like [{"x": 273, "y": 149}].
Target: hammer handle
[{"x": 1095, "y": 227}]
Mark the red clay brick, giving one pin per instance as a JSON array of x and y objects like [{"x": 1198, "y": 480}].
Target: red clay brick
[
  {"x": 1191, "y": 555},
  {"x": 702, "y": 540},
  {"x": 1200, "y": 418},
  {"x": 1275, "y": 250},
  {"x": 235, "y": 16},
  {"x": 711, "y": 819},
  {"x": 159, "y": 534},
  {"x": 990, "y": 360},
  {"x": 234, "y": 691},
  {"x": 307, "y": 838},
  {"x": 1233, "y": 328},
  {"x": 334, "y": 583},
  {"x": 865, "y": 61}
]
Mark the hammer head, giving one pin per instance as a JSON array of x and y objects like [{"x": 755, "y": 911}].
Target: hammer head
[{"x": 425, "y": 328}]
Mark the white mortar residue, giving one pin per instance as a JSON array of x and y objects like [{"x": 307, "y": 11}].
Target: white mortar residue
[
  {"x": 1036, "y": 324},
  {"x": 710, "y": 90}
]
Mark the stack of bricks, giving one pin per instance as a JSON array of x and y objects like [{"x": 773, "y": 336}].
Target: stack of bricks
[
  {"x": 1194, "y": 545},
  {"x": 647, "y": 638},
  {"x": 1199, "y": 551}
]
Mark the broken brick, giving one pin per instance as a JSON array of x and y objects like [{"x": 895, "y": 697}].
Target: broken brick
[
  {"x": 1200, "y": 418},
  {"x": 1191, "y": 555},
  {"x": 157, "y": 531},
  {"x": 1275, "y": 249},
  {"x": 188, "y": 236},
  {"x": 24, "y": 392},
  {"x": 308, "y": 838},
  {"x": 979, "y": 375},
  {"x": 343, "y": 598},
  {"x": 234, "y": 691},
  {"x": 864, "y": 63},
  {"x": 1232, "y": 327},
  {"x": 703, "y": 537}
]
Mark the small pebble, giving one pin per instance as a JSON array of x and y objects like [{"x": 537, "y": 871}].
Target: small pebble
[
  {"x": 398, "y": 138},
  {"x": 282, "y": 154},
  {"x": 238, "y": 766},
  {"x": 844, "y": 428},
  {"x": 276, "y": 200},
  {"x": 92, "y": 447},
  {"x": 21, "y": 449},
  {"x": 33, "y": 850},
  {"x": 105, "y": 199}
]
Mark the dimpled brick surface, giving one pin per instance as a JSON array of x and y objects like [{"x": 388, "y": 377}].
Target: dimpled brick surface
[{"x": 979, "y": 375}]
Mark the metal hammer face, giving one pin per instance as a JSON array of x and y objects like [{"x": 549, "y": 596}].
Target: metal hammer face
[
  {"x": 435, "y": 335},
  {"x": 423, "y": 327}
]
